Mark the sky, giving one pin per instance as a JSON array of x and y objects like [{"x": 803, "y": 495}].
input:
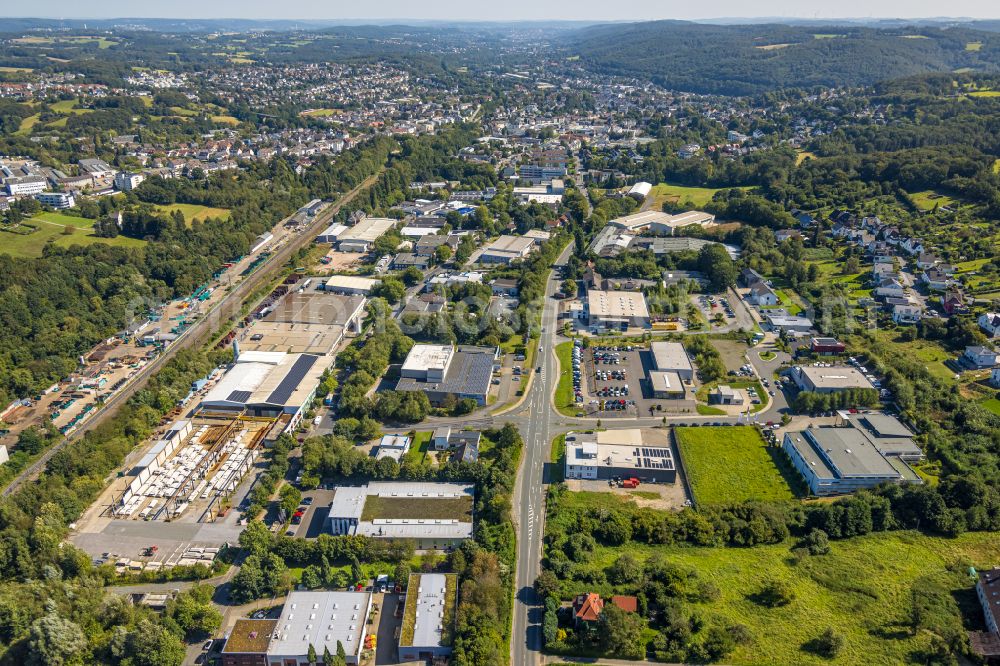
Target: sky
[{"x": 589, "y": 10}]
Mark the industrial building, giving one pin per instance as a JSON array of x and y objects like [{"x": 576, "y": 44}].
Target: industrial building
[
  {"x": 666, "y": 385},
  {"x": 350, "y": 284},
  {"x": 331, "y": 233},
  {"x": 671, "y": 357},
  {"x": 640, "y": 191},
  {"x": 430, "y": 608},
  {"x": 442, "y": 371},
  {"x": 835, "y": 460},
  {"x": 398, "y": 510},
  {"x": 618, "y": 310},
  {"x": 306, "y": 322},
  {"x": 363, "y": 235},
  {"x": 780, "y": 321},
  {"x": 829, "y": 379},
  {"x": 268, "y": 384},
  {"x": 317, "y": 619},
  {"x": 662, "y": 223},
  {"x": 507, "y": 249},
  {"x": 641, "y": 453}
]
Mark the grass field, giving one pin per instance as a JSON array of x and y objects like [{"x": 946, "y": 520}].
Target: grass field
[
  {"x": 419, "y": 447},
  {"x": 862, "y": 589},
  {"x": 773, "y": 47},
  {"x": 320, "y": 113},
  {"x": 803, "y": 155},
  {"x": 996, "y": 166},
  {"x": 557, "y": 455},
  {"x": 985, "y": 93},
  {"x": 732, "y": 464},
  {"x": 194, "y": 212},
  {"x": 564, "y": 389},
  {"x": 698, "y": 196},
  {"x": 973, "y": 46},
  {"x": 50, "y": 228},
  {"x": 993, "y": 405},
  {"x": 928, "y": 198},
  {"x": 827, "y": 36},
  {"x": 418, "y": 508},
  {"x": 16, "y": 70},
  {"x": 931, "y": 354},
  {"x": 226, "y": 120}
]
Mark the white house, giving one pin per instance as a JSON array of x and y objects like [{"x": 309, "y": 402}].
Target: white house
[
  {"x": 990, "y": 323},
  {"x": 763, "y": 295},
  {"x": 890, "y": 287},
  {"x": 906, "y": 314}
]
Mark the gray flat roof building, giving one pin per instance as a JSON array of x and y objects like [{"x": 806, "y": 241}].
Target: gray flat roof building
[
  {"x": 829, "y": 379},
  {"x": 465, "y": 372}
]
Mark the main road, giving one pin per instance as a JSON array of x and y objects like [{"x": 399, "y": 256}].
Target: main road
[{"x": 222, "y": 313}]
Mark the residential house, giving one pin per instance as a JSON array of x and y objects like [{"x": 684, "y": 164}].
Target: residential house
[
  {"x": 953, "y": 301},
  {"x": 890, "y": 287},
  {"x": 935, "y": 279},
  {"x": 990, "y": 324},
  {"x": 909, "y": 313},
  {"x": 750, "y": 277},
  {"x": 763, "y": 295},
  {"x": 979, "y": 357},
  {"x": 505, "y": 287},
  {"x": 927, "y": 260},
  {"x": 587, "y": 608}
]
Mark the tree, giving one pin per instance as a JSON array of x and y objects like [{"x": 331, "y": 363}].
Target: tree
[
  {"x": 625, "y": 570},
  {"x": 621, "y": 633},
  {"x": 357, "y": 573},
  {"x": 411, "y": 276},
  {"x": 256, "y": 539},
  {"x": 311, "y": 654},
  {"x": 327, "y": 657},
  {"x": 828, "y": 644},
  {"x": 148, "y": 644},
  {"x": 194, "y": 612},
  {"x": 715, "y": 262},
  {"x": 341, "y": 654},
  {"x": 775, "y": 593},
  {"x": 55, "y": 641},
  {"x": 442, "y": 253},
  {"x": 391, "y": 289}
]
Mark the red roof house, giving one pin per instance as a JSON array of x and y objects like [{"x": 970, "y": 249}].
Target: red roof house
[
  {"x": 626, "y": 603},
  {"x": 587, "y": 607}
]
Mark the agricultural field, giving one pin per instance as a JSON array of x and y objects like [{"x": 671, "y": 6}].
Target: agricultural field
[
  {"x": 51, "y": 228},
  {"x": 731, "y": 464},
  {"x": 195, "y": 212}
]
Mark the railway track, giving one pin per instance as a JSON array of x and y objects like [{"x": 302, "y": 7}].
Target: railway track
[{"x": 223, "y": 312}]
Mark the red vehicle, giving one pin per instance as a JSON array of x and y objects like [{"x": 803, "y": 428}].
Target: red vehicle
[{"x": 630, "y": 483}]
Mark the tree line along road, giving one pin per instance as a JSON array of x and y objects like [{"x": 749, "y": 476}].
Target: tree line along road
[{"x": 225, "y": 311}]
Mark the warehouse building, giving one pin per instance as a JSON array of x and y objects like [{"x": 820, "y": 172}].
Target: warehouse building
[
  {"x": 306, "y": 322},
  {"x": 507, "y": 249},
  {"x": 666, "y": 385},
  {"x": 403, "y": 510},
  {"x": 829, "y": 379},
  {"x": 671, "y": 357},
  {"x": 618, "y": 310},
  {"x": 842, "y": 460},
  {"x": 640, "y": 191},
  {"x": 317, "y": 619},
  {"x": 430, "y": 603},
  {"x": 363, "y": 235},
  {"x": 331, "y": 233},
  {"x": 641, "y": 453},
  {"x": 350, "y": 284},
  {"x": 662, "y": 223},
  {"x": 268, "y": 384},
  {"x": 441, "y": 371}
]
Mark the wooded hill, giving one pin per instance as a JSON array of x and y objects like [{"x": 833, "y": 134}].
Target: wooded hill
[{"x": 750, "y": 59}]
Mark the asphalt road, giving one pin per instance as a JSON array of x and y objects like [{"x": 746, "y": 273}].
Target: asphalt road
[{"x": 221, "y": 313}]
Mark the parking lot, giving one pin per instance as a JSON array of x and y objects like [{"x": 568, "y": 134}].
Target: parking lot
[
  {"x": 712, "y": 307},
  {"x": 613, "y": 381}
]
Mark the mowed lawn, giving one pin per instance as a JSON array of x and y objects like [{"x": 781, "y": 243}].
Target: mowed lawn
[
  {"x": 729, "y": 464},
  {"x": 862, "y": 589},
  {"x": 194, "y": 212},
  {"x": 564, "y": 389},
  {"x": 52, "y": 227}
]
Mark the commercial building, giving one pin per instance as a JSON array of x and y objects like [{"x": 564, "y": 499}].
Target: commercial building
[
  {"x": 350, "y": 284},
  {"x": 393, "y": 446},
  {"x": 306, "y": 322},
  {"x": 666, "y": 385},
  {"x": 268, "y": 384},
  {"x": 331, "y": 233},
  {"x": 726, "y": 395},
  {"x": 434, "y": 515},
  {"x": 671, "y": 357},
  {"x": 829, "y": 379},
  {"x": 838, "y": 460},
  {"x": 57, "y": 200},
  {"x": 626, "y": 453},
  {"x": 428, "y": 617},
  {"x": 317, "y": 619},
  {"x": 541, "y": 173},
  {"x": 96, "y": 168},
  {"x": 507, "y": 249},
  {"x": 363, "y": 235},
  {"x": 442, "y": 371},
  {"x": 788, "y": 323},
  {"x": 640, "y": 191},
  {"x": 662, "y": 223},
  {"x": 616, "y": 309},
  {"x": 26, "y": 185},
  {"x": 826, "y": 346}
]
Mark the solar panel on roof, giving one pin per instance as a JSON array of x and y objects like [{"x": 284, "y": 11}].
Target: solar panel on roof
[
  {"x": 239, "y": 396},
  {"x": 291, "y": 381}
]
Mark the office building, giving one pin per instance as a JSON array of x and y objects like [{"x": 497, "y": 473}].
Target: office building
[
  {"x": 829, "y": 379},
  {"x": 644, "y": 454},
  {"x": 428, "y": 617},
  {"x": 618, "y": 310},
  {"x": 57, "y": 200},
  {"x": 442, "y": 371}
]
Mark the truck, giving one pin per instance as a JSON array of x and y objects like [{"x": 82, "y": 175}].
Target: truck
[
  {"x": 328, "y": 400},
  {"x": 630, "y": 483}
]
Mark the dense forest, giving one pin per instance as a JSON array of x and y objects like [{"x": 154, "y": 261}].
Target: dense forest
[{"x": 749, "y": 59}]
